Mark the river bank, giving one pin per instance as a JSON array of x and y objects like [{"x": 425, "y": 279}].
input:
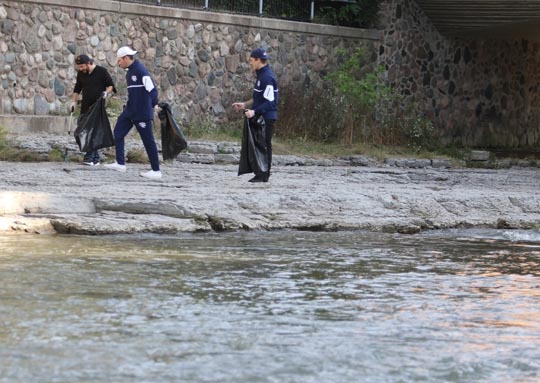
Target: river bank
[{"x": 303, "y": 194}]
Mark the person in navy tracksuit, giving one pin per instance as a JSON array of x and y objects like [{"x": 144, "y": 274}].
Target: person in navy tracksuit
[
  {"x": 139, "y": 112},
  {"x": 264, "y": 102}
]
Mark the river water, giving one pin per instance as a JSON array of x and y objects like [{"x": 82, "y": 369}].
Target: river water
[{"x": 452, "y": 306}]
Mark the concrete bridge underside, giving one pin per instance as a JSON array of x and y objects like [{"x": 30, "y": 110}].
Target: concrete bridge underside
[{"x": 485, "y": 18}]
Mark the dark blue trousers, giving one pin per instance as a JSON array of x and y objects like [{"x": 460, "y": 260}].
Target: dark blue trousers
[
  {"x": 122, "y": 128},
  {"x": 92, "y": 157}
]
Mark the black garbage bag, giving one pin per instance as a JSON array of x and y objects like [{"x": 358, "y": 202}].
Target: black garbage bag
[
  {"x": 173, "y": 140},
  {"x": 254, "y": 153},
  {"x": 94, "y": 129}
]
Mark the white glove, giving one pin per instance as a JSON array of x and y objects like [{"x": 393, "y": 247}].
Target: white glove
[
  {"x": 72, "y": 106},
  {"x": 104, "y": 94}
]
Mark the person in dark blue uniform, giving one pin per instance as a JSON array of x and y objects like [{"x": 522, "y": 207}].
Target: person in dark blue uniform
[
  {"x": 93, "y": 81},
  {"x": 263, "y": 102},
  {"x": 139, "y": 112}
]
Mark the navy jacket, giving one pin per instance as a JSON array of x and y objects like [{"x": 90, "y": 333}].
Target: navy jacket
[
  {"x": 265, "y": 94},
  {"x": 142, "y": 93}
]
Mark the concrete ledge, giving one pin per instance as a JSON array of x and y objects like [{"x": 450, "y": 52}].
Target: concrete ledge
[
  {"x": 104, "y": 5},
  {"x": 22, "y": 124}
]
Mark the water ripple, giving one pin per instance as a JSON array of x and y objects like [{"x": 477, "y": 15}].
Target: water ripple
[{"x": 456, "y": 306}]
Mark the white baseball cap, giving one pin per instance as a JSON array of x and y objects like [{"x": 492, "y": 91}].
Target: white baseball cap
[{"x": 125, "y": 51}]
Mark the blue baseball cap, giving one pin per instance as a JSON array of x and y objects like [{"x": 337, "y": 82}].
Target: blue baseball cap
[{"x": 259, "y": 53}]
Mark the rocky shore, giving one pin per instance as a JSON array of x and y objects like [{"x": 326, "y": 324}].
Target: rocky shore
[{"x": 200, "y": 191}]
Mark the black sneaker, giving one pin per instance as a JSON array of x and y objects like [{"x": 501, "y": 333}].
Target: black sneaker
[{"x": 259, "y": 179}]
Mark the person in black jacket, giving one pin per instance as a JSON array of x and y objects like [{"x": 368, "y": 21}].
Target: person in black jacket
[
  {"x": 263, "y": 102},
  {"x": 94, "y": 82}
]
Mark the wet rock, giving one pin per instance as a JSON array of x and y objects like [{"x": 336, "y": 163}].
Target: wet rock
[
  {"x": 227, "y": 159},
  {"x": 361, "y": 161},
  {"x": 441, "y": 163},
  {"x": 125, "y": 224},
  {"x": 26, "y": 225},
  {"x": 196, "y": 158},
  {"x": 43, "y": 203},
  {"x": 288, "y": 160},
  {"x": 479, "y": 155},
  {"x": 198, "y": 194}
]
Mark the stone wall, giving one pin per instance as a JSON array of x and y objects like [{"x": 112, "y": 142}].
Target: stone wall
[
  {"x": 477, "y": 92},
  {"x": 198, "y": 59}
]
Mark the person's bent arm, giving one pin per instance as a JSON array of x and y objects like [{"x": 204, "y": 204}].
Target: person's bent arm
[
  {"x": 108, "y": 91},
  {"x": 73, "y": 104},
  {"x": 239, "y": 106}
]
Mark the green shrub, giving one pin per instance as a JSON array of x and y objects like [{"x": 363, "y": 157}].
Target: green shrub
[
  {"x": 366, "y": 100},
  {"x": 420, "y": 134},
  {"x": 201, "y": 126},
  {"x": 313, "y": 114},
  {"x": 3, "y": 139},
  {"x": 205, "y": 127},
  {"x": 56, "y": 154},
  {"x": 377, "y": 114},
  {"x": 136, "y": 156},
  {"x": 362, "y": 14}
]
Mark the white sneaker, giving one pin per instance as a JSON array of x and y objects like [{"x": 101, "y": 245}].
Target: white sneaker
[
  {"x": 155, "y": 175},
  {"x": 116, "y": 166}
]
